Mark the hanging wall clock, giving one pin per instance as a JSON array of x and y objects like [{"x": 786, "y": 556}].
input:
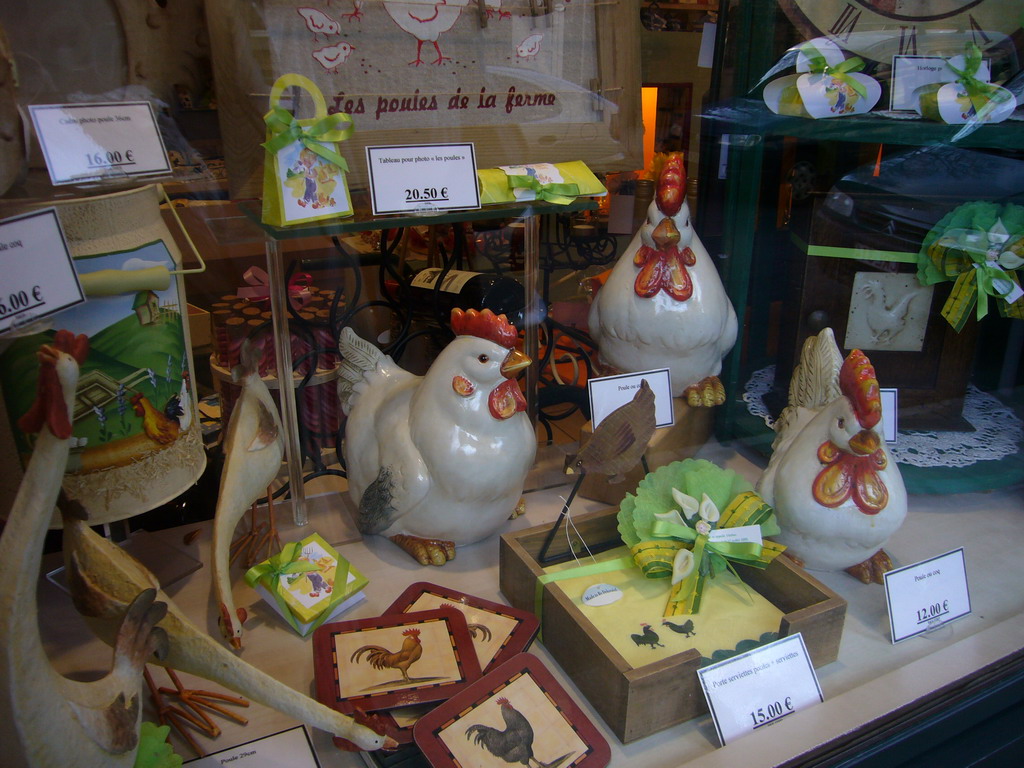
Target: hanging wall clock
[{"x": 878, "y": 29}]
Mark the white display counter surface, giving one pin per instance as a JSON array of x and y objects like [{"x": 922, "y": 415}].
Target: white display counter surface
[{"x": 871, "y": 680}]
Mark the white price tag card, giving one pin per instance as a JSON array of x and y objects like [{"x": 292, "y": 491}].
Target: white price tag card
[
  {"x": 890, "y": 413},
  {"x": 760, "y": 687},
  {"x": 86, "y": 142},
  {"x": 37, "y": 274},
  {"x": 292, "y": 748},
  {"x": 926, "y": 595},
  {"x": 609, "y": 392},
  {"x": 422, "y": 178}
]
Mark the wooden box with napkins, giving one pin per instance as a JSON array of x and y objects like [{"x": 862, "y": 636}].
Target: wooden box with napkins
[{"x": 642, "y": 680}]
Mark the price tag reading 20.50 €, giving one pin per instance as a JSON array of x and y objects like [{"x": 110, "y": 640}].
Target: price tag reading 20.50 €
[
  {"x": 759, "y": 687},
  {"x": 926, "y": 595},
  {"x": 422, "y": 178}
]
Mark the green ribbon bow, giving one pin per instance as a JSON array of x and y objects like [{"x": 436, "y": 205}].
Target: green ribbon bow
[
  {"x": 984, "y": 96},
  {"x": 287, "y": 130},
  {"x": 818, "y": 65},
  {"x": 558, "y": 194},
  {"x": 686, "y": 552},
  {"x": 976, "y": 275}
]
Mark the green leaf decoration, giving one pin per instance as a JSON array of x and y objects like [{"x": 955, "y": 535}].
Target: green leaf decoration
[
  {"x": 978, "y": 217},
  {"x": 654, "y": 494},
  {"x": 154, "y": 751}
]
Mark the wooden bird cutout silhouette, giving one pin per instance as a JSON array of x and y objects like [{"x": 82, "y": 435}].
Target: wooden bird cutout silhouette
[{"x": 619, "y": 441}]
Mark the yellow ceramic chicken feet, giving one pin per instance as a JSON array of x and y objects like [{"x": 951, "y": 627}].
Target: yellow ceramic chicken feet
[
  {"x": 426, "y": 551},
  {"x": 519, "y": 510},
  {"x": 705, "y": 393},
  {"x": 873, "y": 569}
]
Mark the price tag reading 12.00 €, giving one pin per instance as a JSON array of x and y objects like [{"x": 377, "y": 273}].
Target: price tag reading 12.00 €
[
  {"x": 760, "y": 687},
  {"x": 422, "y": 178},
  {"x": 927, "y": 595},
  {"x": 37, "y": 276},
  {"x": 86, "y": 142}
]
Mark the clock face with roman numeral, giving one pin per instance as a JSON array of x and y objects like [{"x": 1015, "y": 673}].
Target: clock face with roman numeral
[{"x": 877, "y": 29}]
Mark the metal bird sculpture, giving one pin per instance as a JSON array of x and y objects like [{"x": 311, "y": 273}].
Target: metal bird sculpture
[{"x": 616, "y": 446}]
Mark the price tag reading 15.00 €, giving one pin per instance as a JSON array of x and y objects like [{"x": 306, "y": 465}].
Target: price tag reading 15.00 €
[
  {"x": 760, "y": 687},
  {"x": 37, "y": 276},
  {"x": 927, "y": 595}
]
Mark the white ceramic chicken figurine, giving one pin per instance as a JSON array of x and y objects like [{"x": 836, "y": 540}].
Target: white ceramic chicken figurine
[
  {"x": 837, "y": 492},
  {"x": 47, "y": 719},
  {"x": 664, "y": 303},
  {"x": 439, "y": 460},
  {"x": 253, "y": 450}
]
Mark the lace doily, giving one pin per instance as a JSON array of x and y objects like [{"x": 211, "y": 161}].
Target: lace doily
[{"x": 997, "y": 430}]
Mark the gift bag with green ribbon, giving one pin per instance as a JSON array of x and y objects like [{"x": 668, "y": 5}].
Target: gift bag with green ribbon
[
  {"x": 303, "y": 172},
  {"x": 979, "y": 247},
  {"x": 557, "y": 183},
  {"x": 692, "y": 520},
  {"x": 307, "y": 582}
]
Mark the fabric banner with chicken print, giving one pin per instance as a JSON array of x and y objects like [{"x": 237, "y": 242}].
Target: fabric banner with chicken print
[{"x": 133, "y": 419}]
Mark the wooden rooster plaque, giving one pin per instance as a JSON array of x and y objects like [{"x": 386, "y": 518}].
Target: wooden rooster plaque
[
  {"x": 525, "y": 82},
  {"x": 517, "y": 714}
]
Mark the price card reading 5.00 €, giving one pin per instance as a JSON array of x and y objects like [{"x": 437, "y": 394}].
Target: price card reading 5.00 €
[
  {"x": 37, "y": 275},
  {"x": 927, "y": 595},
  {"x": 759, "y": 687}
]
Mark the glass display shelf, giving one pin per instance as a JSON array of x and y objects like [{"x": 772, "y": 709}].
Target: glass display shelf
[{"x": 527, "y": 212}]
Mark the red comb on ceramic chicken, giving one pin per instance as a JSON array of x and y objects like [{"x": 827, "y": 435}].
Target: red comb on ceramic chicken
[
  {"x": 664, "y": 303},
  {"x": 836, "y": 490},
  {"x": 438, "y": 460}
]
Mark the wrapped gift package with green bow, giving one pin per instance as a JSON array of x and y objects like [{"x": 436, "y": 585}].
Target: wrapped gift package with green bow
[
  {"x": 638, "y": 699},
  {"x": 826, "y": 84},
  {"x": 303, "y": 170},
  {"x": 307, "y": 583},
  {"x": 558, "y": 183}
]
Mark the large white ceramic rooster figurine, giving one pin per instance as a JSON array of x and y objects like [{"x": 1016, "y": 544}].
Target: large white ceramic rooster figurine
[
  {"x": 664, "y": 303},
  {"x": 438, "y": 460},
  {"x": 837, "y": 492},
  {"x": 47, "y": 719}
]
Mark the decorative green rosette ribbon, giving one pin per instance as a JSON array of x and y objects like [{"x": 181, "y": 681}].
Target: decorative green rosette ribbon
[
  {"x": 557, "y": 194},
  {"x": 285, "y": 563},
  {"x": 984, "y": 96},
  {"x": 818, "y": 65},
  {"x": 286, "y": 129},
  {"x": 979, "y": 247},
  {"x": 665, "y": 545}
]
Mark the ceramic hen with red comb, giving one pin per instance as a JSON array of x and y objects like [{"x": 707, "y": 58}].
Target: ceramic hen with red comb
[
  {"x": 663, "y": 304},
  {"x": 837, "y": 492},
  {"x": 439, "y": 460}
]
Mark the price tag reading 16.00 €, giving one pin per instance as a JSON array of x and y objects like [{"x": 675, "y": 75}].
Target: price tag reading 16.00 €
[{"x": 760, "y": 687}]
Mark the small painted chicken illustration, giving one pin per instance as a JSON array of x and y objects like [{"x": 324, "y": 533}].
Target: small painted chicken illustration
[
  {"x": 530, "y": 46},
  {"x": 331, "y": 57},
  {"x": 648, "y": 637},
  {"x": 158, "y": 426},
  {"x": 319, "y": 23},
  {"x": 381, "y": 658},
  {"x": 686, "y": 628},
  {"x": 514, "y": 744}
]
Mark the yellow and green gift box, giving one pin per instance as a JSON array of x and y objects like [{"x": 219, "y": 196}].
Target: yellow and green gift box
[{"x": 307, "y": 583}]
